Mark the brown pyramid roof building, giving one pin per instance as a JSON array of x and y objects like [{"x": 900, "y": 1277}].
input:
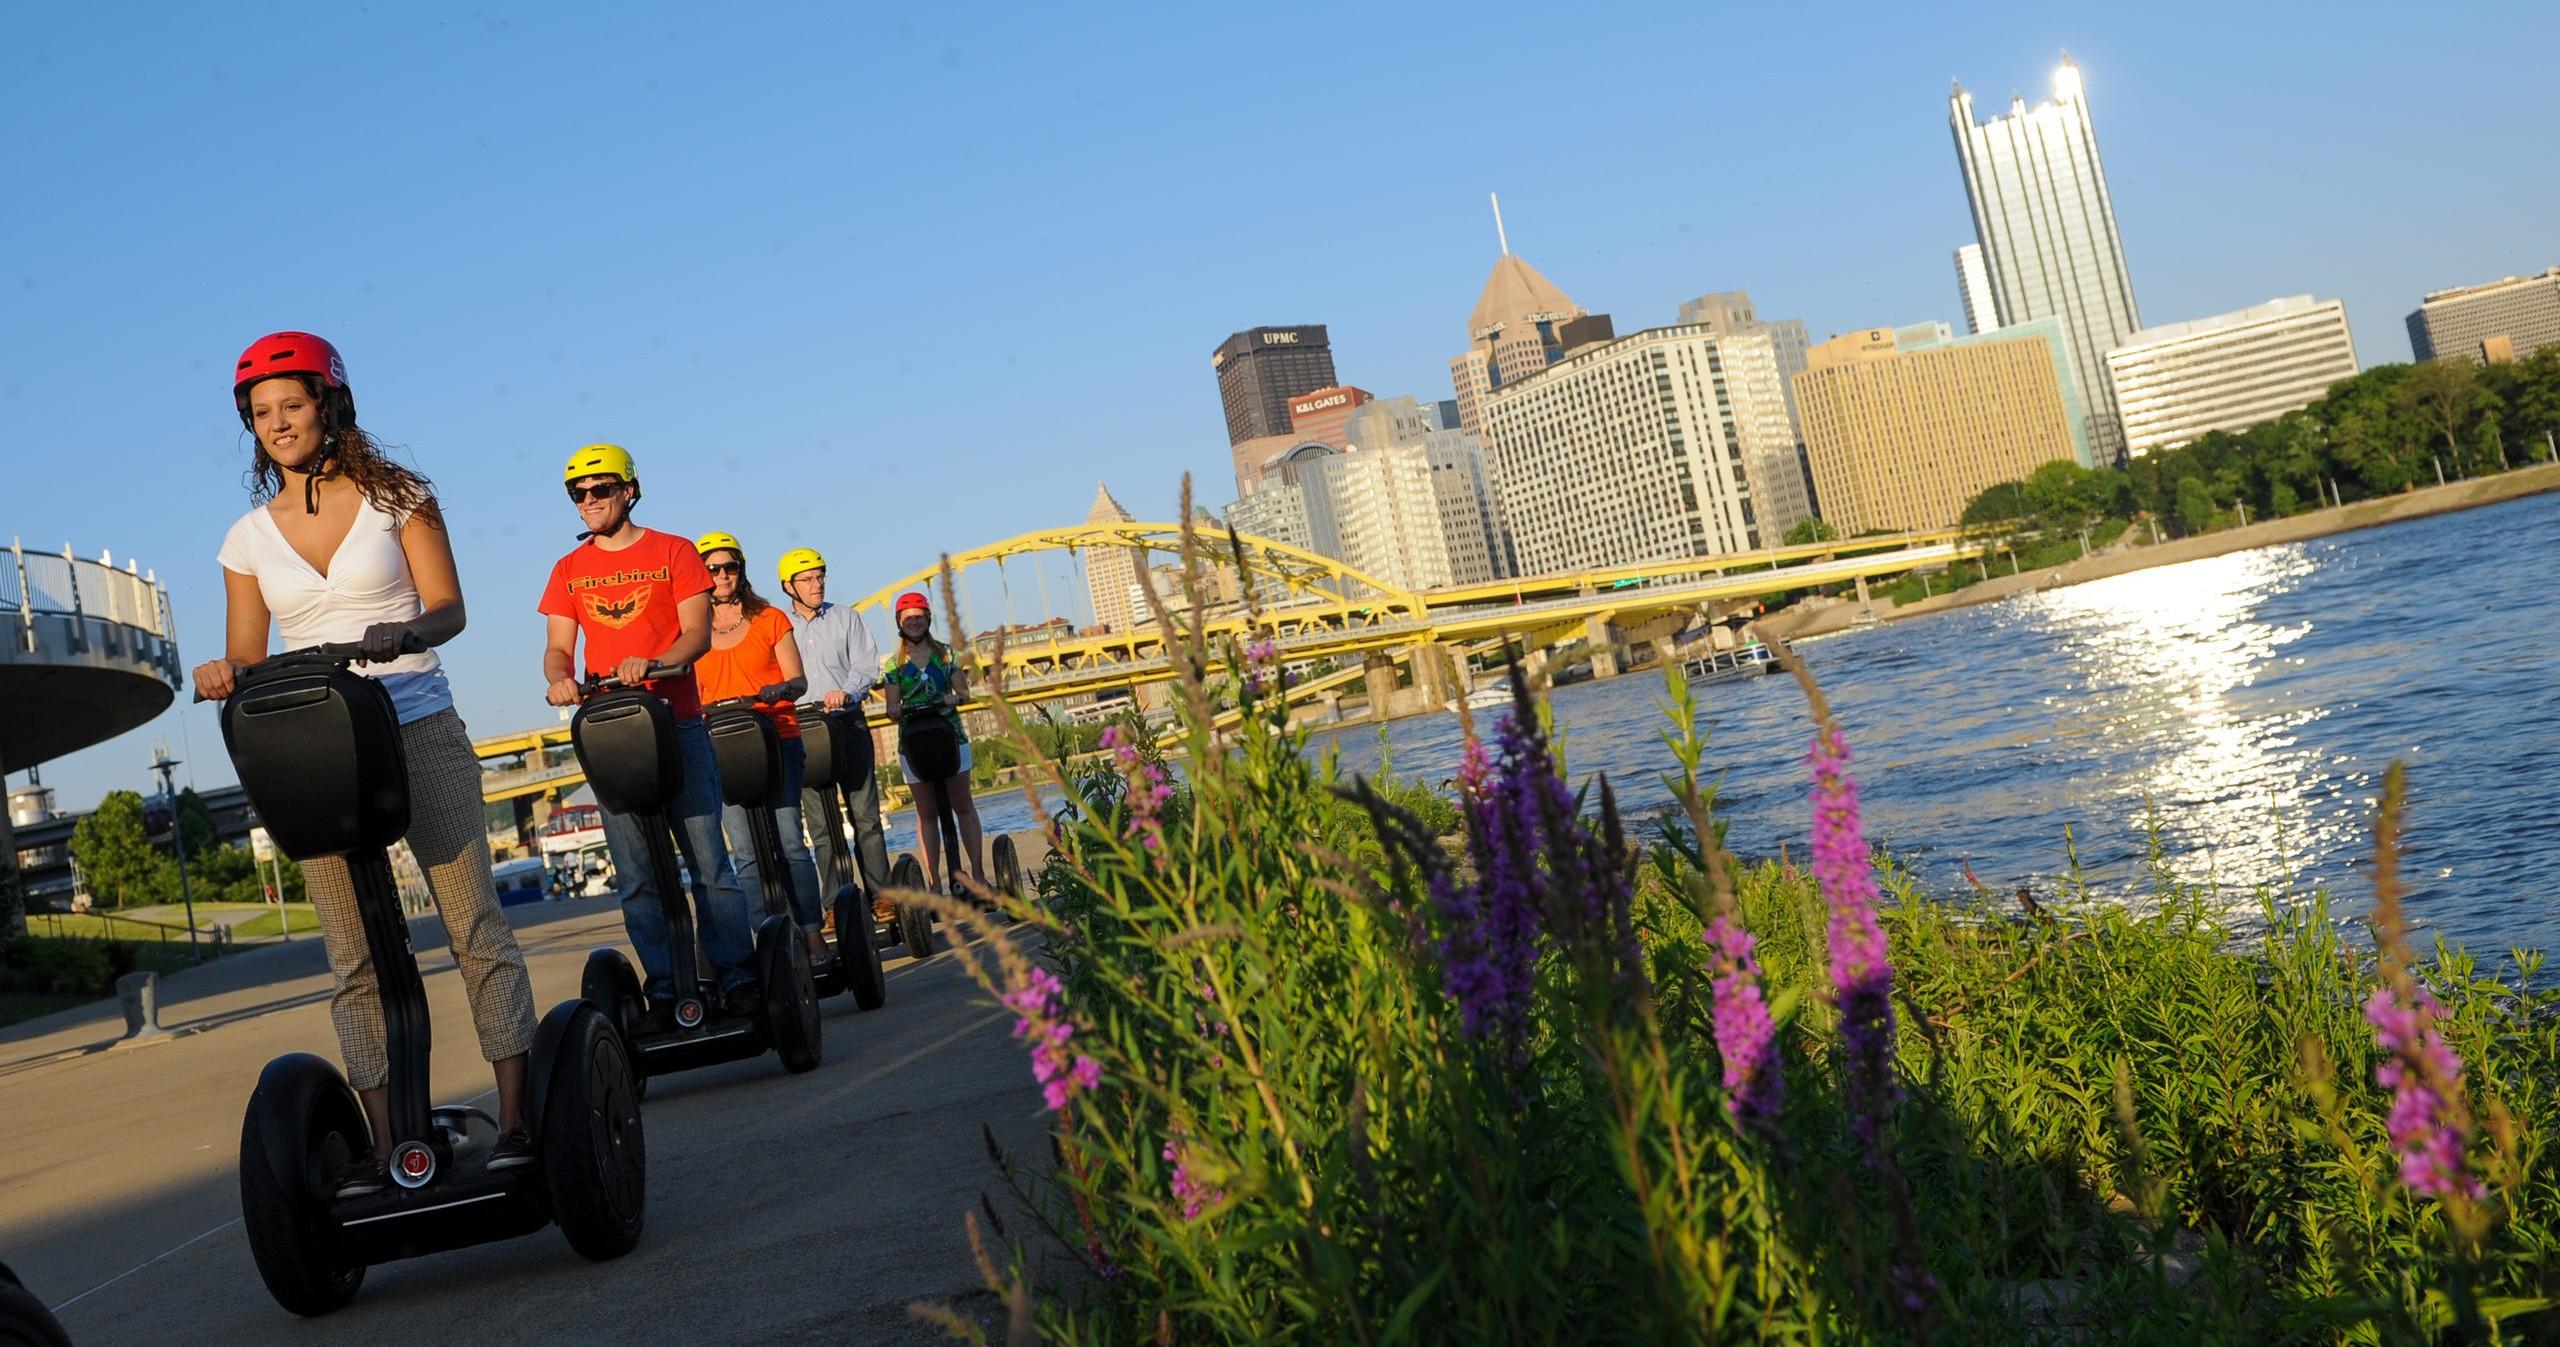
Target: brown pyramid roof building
[
  {"x": 1522, "y": 323},
  {"x": 1110, "y": 573}
]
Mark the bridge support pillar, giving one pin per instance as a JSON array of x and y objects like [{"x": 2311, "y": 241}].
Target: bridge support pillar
[
  {"x": 1332, "y": 706},
  {"x": 1534, "y": 667},
  {"x": 1608, "y": 657},
  {"x": 1866, "y": 605},
  {"x": 1380, "y": 680},
  {"x": 1431, "y": 673}
]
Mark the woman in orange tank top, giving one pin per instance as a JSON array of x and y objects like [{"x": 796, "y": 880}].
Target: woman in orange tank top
[{"x": 753, "y": 654}]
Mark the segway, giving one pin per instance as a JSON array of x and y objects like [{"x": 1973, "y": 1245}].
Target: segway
[
  {"x": 931, "y": 746},
  {"x": 837, "y": 745},
  {"x": 749, "y": 751},
  {"x": 24, "y": 1321},
  {"x": 625, "y": 739},
  {"x": 317, "y": 748}
]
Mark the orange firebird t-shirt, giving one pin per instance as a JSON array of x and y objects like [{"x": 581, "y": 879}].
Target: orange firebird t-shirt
[{"x": 625, "y": 604}]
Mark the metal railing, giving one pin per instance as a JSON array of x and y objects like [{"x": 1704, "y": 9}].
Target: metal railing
[{"x": 61, "y": 585}]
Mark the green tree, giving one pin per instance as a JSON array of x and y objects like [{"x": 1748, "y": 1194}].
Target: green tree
[
  {"x": 1999, "y": 503},
  {"x": 117, "y": 861},
  {"x": 2533, "y": 402},
  {"x": 2447, "y": 399},
  {"x": 2369, "y": 434},
  {"x": 1810, "y": 530},
  {"x": 2195, "y": 505},
  {"x": 195, "y": 823}
]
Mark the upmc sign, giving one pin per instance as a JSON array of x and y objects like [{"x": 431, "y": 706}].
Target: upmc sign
[{"x": 1288, "y": 338}]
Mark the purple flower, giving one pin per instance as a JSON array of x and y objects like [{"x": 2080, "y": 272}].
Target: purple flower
[
  {"x": 2427, "y": 1127},
  {"x": 1861, "y": 968},
  {"x": 1747, "y": 1039},
  {"x": 1063, "y": 1072},
  {"x": 1262, "y": 667},
  {"x": 1194, "y": 1195}
]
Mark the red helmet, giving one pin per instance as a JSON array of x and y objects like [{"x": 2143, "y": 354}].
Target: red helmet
[
  {"x": 912, "y": 600},
  {"x": 297, "y": 353}
]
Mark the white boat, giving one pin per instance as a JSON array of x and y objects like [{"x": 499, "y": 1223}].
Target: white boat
[
  {"x": 1724, "y": 666},
  {"x": 1490, "y": 697}
]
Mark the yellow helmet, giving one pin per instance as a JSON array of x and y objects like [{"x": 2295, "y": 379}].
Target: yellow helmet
[
  {"x": 715, "y": 540},
  {"x": 799, "y": 559},
  {"x": 598, "y": 460}
]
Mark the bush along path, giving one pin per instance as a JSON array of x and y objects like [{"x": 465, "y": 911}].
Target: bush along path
[{"x": 1321, "y": 1075}]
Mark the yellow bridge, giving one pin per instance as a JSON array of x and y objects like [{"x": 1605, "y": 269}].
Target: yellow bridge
[{"x": 1321, "y": 609}]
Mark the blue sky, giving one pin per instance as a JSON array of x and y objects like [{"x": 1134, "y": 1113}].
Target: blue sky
[{"x": 890, "y": 283}]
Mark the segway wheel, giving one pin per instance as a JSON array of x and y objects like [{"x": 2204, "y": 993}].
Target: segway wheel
[
  {"x": 791, "y": 1014},
  {"x": 593, "y": 1161},
  {"x": 24, "y": 1321},
  {"x": 613, "y": 989},
  {"x": 302, "y": 1123},
  {"x": 915, "y": 927},
  {"x": 861, "y": 958},
  {"x": 1008, "y": 866}
]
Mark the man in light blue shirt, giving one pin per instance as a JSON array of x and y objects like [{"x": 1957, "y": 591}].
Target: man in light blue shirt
[{"x": 843, "y": 664}]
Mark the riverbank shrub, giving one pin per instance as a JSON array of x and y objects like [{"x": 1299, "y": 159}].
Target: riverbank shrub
[{"x": 1317, "y": 1077}]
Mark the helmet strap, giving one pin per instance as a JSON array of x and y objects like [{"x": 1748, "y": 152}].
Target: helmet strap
[{"x": 314, "y": 468}]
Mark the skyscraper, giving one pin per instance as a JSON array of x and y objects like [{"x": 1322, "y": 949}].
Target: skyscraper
[
  {"x": 2047, "y": 229},
  {"x": 1262, "y": 369},
  {"x": 1109, "y": 572},
  {"x": 1906, "y": 426},
  {"x": 1973, "y": 280},
  {"x": 1522, "y": 323},
  {"x": 1672, "y": 442}
]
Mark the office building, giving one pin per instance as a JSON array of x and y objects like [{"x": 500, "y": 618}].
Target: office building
[
  {"x": 2047, "y": 229},
  {"x": 1973, "y": 282},
  {"x": 1521, "y": 324},
  {"x": 1319, "y": 415},
  {"x": 1262, "y": 370},
  {"x": 2178, "y": 382},
  {"x": 2503, "y": 320},
  {"x": 1906, "y": 427},
  {"x": 1672, "y": 442},
  {"x": 1728, "y": 313},
  {"x": 1109, "y": 571},
  {"x": 1398, "y": 499}
]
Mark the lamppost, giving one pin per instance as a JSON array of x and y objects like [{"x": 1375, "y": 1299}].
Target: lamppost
[{"x": 162, "y": 763}]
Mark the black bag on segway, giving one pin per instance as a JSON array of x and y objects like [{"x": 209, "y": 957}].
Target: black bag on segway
[{"x": 930, "y": 744}]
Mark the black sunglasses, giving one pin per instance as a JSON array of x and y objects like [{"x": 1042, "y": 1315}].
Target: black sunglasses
[
  {"x": 726, "y": 567},
  {"x": 579, "y": 495}
]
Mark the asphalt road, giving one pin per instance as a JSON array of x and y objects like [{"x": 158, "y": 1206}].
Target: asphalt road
[{"x": 782, "y": 1208}]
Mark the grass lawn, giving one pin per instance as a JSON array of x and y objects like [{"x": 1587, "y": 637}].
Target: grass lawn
[{"x": 265, "y": 927}]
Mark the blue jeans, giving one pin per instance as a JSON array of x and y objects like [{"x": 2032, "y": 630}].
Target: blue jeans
[
  {"x": 719, "y": 908},
  {"x": 795, "y": 851}
]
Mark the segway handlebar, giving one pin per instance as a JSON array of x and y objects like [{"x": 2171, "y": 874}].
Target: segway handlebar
[
  {"x": 605, "y": 682},
  {"x": 327, "y": 654}
]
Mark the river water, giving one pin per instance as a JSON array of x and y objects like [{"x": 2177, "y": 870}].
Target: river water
[{"x": 2248, "y": 703}]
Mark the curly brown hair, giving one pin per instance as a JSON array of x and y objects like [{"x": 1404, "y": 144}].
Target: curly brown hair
[{"x": 393, "y": 488}]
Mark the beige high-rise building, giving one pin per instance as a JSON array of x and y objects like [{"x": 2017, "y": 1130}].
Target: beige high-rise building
[
  {"x": 2182, "y": 381},
  {"x": 1906, "y": 427},
  {"x": 1672, "y": 442},
  {"x": 1110, "y": 573},
  {"x": 1522, "y": 323}
]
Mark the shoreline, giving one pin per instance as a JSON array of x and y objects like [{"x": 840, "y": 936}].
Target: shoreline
[{"x": 1823, "y": 617}]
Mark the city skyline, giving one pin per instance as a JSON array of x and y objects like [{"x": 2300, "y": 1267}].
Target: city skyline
[{"x": 516, "y": 273}]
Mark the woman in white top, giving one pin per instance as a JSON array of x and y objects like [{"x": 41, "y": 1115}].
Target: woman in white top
[{"x": 360, "y": 553}]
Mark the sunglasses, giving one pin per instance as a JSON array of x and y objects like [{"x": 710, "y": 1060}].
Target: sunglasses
[
  {"x": 726, "y": 567},
  {"x": 579, "y": 495}
]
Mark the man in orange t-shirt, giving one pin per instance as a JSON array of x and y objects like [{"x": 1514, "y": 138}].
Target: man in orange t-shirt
[{"x": 640, "y": 597}]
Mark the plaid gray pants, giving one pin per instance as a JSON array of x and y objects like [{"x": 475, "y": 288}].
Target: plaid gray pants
[{"x": 451, "y": 843}]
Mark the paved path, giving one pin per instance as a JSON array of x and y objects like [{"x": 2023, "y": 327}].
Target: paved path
[{"x": 781, "y": 1208}]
